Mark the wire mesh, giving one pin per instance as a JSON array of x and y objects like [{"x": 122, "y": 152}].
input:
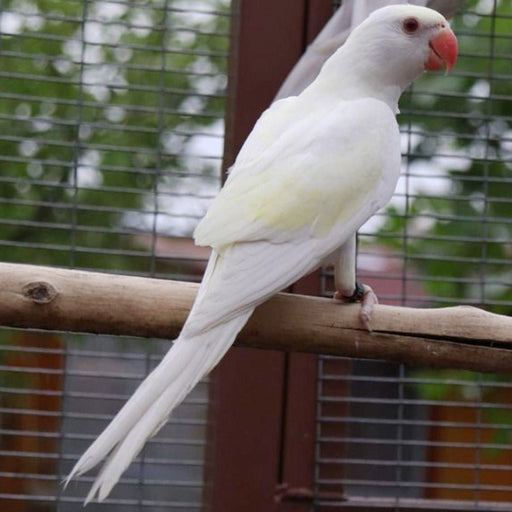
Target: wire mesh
[
  {"x": 106, "y": 100},
  {"x": 111, "y": 134},
  {"x": 392, "y": 437},
  {"x": 110, "y": 142}
]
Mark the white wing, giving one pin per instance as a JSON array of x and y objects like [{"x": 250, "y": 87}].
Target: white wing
[
  {"x": 282, "y": 216},
  {"x": 316, "y": 175}
]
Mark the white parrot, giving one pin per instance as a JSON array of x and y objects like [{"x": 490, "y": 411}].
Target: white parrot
[
  {"x": 315, "y": 167},
  {"x": 350, "y": 14}
]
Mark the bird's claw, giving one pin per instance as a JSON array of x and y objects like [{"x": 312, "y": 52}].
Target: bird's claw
[
  {"x": 367, "y": 303},
  {"x": 366, "y": 296}
]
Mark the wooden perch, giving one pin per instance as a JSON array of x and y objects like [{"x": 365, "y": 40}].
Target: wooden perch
[{"x": 70, "y": 300}]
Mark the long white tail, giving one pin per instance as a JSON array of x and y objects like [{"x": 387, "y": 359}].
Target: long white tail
[{"x": 190, "y": 358}]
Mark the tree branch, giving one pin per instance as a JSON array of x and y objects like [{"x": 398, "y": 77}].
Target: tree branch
[{"x": 70, "y": 300}]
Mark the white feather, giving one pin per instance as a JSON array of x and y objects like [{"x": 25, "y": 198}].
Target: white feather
[{"x": 196, "y": 357}]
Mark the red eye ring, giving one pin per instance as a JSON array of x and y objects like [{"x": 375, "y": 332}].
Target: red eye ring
[{"x": 410, "y": 25}]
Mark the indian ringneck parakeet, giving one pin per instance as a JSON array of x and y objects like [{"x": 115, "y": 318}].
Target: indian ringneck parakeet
[{"x": 315, "y": 167}]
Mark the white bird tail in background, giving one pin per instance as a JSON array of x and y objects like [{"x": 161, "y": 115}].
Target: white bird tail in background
[{"x": 350, "y": 14}]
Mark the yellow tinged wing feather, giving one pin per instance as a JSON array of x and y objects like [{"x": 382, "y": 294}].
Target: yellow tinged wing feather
[
  {"x": 317, "y": 173},
  {"x": 266, "y": 131},
  {"x": 294, "y": 203}
]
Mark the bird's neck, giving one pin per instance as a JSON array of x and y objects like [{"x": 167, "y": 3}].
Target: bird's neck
[
  {"x": 388, "y": 94},
  {"x": 349, "y": 75}
]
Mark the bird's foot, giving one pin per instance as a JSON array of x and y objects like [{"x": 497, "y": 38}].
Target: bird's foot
[{"x": 363, "y": 294}]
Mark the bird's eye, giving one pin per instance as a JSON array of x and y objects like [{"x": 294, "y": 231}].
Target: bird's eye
[{"x": 410, "y": 25}]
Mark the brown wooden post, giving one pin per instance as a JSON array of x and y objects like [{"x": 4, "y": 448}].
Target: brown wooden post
[
  {"x": 263, "y": 403},
  {"x": 299, "y": 421}
]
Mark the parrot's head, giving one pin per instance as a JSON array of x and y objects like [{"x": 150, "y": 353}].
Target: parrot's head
[{"x": 396, "y": 43}]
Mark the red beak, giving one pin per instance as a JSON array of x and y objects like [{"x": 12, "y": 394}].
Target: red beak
[{"x": 443, "y": 51}]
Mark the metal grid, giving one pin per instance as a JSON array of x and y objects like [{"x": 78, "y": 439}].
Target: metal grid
[
  {"x": 111, "y": 134},
  {"x": 392, "y": 437},
  {"x": 105, "y": 100},
  {"x": 110, "y": 151}
]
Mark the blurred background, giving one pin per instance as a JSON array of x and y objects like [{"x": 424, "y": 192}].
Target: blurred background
[{"x": 117, "y": 121}]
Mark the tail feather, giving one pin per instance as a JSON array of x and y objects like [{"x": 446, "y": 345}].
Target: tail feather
[
  {"x": 145, "y": 395},
  {"x": 185, "y": 364},
  {"x": 129, "y": 447}
]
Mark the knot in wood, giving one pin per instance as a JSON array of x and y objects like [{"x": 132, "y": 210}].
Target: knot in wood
[{"x": 40, "y": 292}]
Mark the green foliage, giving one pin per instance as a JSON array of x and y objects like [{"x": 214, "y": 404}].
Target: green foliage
[
  {"x": 458, "y": 221},
  {"x": 459, "y": 237},
  {"x": 93, "y": 117}
]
